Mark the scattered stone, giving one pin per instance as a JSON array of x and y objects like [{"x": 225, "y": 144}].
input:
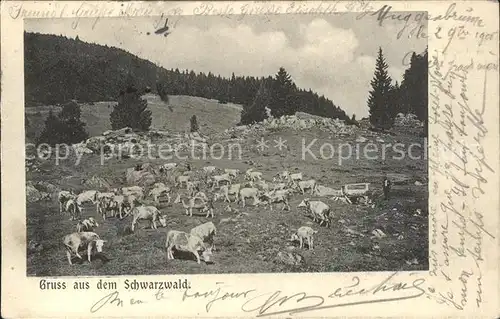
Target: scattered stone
[{"x": 289, "y": 258}]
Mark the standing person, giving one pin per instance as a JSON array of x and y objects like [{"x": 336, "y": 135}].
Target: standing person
[{"x": 387, "y": 187}]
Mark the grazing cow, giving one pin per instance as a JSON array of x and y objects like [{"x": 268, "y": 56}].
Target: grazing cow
[
  {"x": 167, "y": 167},
  {"x": 310, "y": 184},
  {"x": 201, "y": 195},
  {"x": 253, "y": 176},
  {"x": 103, "y": 205},
  {"x": 232, "y": 172},
  {"x": 202, "y": 206},
  {"x": 209, "y": 169},
  {"x": 192, "y": 186},
  {"x": 87, "y": 197},
  {"x": 73, "y": 209},
  {"x": 277, "y": 186},
  {"x": 247, "y": 173},
  {"x": 150, "y": 213},
  {"x": 105, "y": 195},
  {"x": 183, "y": 241},
  {"x": 206, "y": 232},
  {"x": 293, "y": 178},
  {"x": 217, "y": 179},
  {"x": 281, "y": 176},
  {"x": 63, "y": 197},
  {"x": 137, "y": 191},
  {"x": 304, "y": 233},
  {"x": 225, "y": 191},
  {"x": 319, "y": 211},
  {"x": 277, "y": 197},
  {"x": 159, "y": 190},
  {"x": 183, "y": 179},
  {"x": 159, "y": 185},
  {"x": 74, "y": 241},
  {"x": 122, "y": 204},
  {"x": 260, "y": 184},
  {"x": 248, "y": 192},
  {"x": 86, "y": 225}
]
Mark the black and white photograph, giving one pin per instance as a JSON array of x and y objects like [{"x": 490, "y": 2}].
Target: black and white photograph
[{"x": 196, "y": 144}]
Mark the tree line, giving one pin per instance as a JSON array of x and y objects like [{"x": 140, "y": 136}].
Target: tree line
[{"x": 58, "y": 69}]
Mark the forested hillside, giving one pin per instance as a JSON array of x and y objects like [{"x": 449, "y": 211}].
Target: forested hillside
[{"x": 58, "y": 69}]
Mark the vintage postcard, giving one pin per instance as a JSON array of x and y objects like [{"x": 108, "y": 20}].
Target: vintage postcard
[{"x": 250, "y": 159}]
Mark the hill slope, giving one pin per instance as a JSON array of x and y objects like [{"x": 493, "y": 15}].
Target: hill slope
[
  {"x": 58, "y": 69},
  {"x": 212, "y": 116}
]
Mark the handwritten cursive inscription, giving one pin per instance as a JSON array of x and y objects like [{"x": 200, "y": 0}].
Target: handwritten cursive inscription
[
  {"x": 112, "y": 298},
  {"x": 276, "y": 303},
  {"x": 215, "y": 295}
]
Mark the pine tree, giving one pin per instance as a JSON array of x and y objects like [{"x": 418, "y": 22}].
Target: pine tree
[
  {"x": 378, "y": 100},
  {"x": 283, "y": 94},
  {"x": 131, "y": 111},
  {"x": 394, "y": 101},
  {"x": 413, "y": 90},
  {"x": 256, "y": 112},
  {"x": 194, "y": 123},
  {"x": 64, "y": 128},
  {"x": 51, "y": 131}
]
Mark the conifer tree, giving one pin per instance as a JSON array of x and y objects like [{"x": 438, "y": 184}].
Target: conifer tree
[
  {"x": 256, "y": 112},
  {"x": 378, "y": 100},
  {"x": 283, "y": 94},
  {"x": 64, "y": 128},
  {"x": 131, "y": 111}
]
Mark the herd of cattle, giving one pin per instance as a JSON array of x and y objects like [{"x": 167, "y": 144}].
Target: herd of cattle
[{"x": 220, "y": 184}]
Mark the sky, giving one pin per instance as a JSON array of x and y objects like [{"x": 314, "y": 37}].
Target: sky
[{"x": 334, "y": 55}]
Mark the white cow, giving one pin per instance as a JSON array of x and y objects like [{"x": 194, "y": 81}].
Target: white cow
[
  {"x": 277, "y": 197},
  {"x": 253, "y": 176},
  {"x": 183, "y": 241},
  {"x": 87, "y": 197},
  {"x": 309, "y": 184},
  {"x": 319, "y": 210},
  {"x": 293, "y": 178},
  {"x": 209, "y": 169},
  {"x": 304, "y": 233},
  {"x": 206, "y": 232},
  {"x": 158, "y": 191},
  {"x": 249, "y": 192},
  {"x": 232, "y": 172},
  {"x": 74, "y": 241},
  {"x": 63, "y": 197},
  {"x": 181, "y": 180},
  {"x": 86, "y": 225},
  {"x": 137, "y": 191},
  {"x": 281, "y": 176},
  {"x": 226, "y": 190},
  {"x": 150, "y": 213},
  {"x": 217, "y": 179},
  {"x": 167, "y": 167}
]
